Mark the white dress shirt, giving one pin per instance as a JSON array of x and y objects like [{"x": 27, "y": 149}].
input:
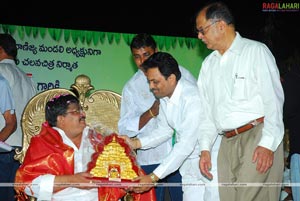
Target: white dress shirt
[
  {"x": 23, "y": 89},
  {"x": 241, "y": 85},
  {"x": 184, "y": 113},
  {"x": 42, "y": 186},
  {"x": 136, "y": 99}
]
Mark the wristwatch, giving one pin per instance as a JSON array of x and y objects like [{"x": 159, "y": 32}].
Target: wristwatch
[{"x": 152, "y": 176}]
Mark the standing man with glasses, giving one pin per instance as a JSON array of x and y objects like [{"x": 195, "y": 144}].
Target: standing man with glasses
[{"x": 240, "y": 86}]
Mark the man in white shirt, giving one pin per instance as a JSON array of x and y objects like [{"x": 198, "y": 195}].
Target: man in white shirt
[
  {"x": 57, "y": 164},
  {"x": 56, "y": 160},
  {"x": 180, "y": 109},
  {"x": 23, "y": 89},
  {"x": 139, "y": 107},
  {"x": 240, "y": 87},
  {"x": 7, "y": 109},
  {"x": 8, "y": 165}
]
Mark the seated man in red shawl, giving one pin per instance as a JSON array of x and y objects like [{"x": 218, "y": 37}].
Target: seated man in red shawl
[{"x": 55, "y": 165}]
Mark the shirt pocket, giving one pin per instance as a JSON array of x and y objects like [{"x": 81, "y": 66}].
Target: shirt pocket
[{"x": 239, "y": 90}]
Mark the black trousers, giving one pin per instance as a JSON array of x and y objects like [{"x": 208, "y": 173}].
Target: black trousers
[{"x": 8, "y": 168}]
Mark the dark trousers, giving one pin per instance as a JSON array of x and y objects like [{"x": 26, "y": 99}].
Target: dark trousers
[
  {"x": 175, "y": 190},
  {"x": 8, "y": 168}
]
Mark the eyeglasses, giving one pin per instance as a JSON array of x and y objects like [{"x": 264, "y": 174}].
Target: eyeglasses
[
  {"x": 201, "y": 30},
  {"x": 75, "y": 112}
]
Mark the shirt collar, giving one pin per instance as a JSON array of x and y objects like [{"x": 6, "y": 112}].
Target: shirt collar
[
  {"x": 141, "y": 74},
  {"x": 176, "y": 93},
  {"x": 10, "y": 61},
  {"x": 235, "y": 47},
  {"x": 67, "y": 140},
  {"x": 237, "y": 44}
]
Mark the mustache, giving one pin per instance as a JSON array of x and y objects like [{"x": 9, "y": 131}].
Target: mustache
[
  {"x": 152, "y": 89},
  {"x": 82, "y": 118},
  {"x": 157, "y": 98}
]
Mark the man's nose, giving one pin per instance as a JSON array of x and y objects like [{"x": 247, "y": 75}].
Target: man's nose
[{"x": 200, "y": 35}]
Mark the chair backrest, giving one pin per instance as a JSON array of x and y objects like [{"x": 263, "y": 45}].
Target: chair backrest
[{"x": 102, "y": 108}]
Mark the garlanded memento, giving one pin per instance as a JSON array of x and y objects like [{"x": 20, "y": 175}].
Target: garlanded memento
[{"x": 113, "y": 159}]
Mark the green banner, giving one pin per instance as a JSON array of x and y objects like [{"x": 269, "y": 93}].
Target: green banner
[{"x": 55, "y": 57}]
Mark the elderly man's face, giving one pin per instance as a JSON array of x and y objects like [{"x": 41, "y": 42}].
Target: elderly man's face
[
  {"x": 73, "y": 121},
  {"x": 208, "y": 30}
]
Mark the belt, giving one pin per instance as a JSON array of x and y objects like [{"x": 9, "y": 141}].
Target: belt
[{"x": 243, "y": 128}]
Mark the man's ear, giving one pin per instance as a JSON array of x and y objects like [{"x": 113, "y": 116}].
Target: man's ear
[
  {"x": 222, "y": 25},
  {"x": 172, "y": 78},
  {"x": 59, "y": 119}
]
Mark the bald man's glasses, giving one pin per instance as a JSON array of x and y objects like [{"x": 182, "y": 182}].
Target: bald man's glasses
[{"x": 202, "y": 30}]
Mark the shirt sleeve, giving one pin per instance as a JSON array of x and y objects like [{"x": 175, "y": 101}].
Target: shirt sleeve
[
  {"x": 41, "y": 187},
  {"x": 272, "y": 97},
  {"x": 207, "y": 128},
  {"x": 186, "y": 139},
  {"x": 159, "y": 135},
  {"x": 7, "y": 101},
  {"x": 129, "y": 118}
]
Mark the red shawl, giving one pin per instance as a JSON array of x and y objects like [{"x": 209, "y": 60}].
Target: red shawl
[{"x": 47, "y": 154}]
